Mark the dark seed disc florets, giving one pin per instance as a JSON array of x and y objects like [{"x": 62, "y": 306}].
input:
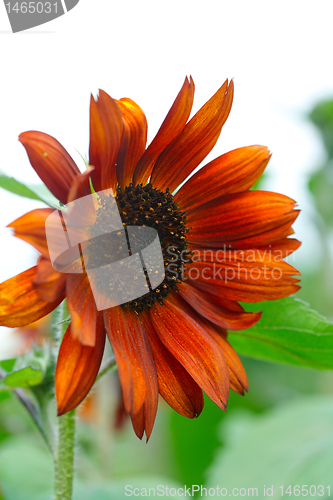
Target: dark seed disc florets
[{"x": 148, "y": 207}]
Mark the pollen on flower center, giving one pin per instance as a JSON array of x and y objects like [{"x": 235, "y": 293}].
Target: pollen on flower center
[{"x": 146, "y": 207}]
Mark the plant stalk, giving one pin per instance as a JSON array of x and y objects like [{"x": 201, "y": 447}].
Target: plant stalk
[
  {"x": 64, "y": 460},
  {"x": 64, "y": 464}
]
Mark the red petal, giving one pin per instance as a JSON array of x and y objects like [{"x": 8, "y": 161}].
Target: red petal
[
  {"x": 86, "y": 213},
  {"x": 20, "y": 303},
  {"x": 175, "y": 384},
  {"x": 49, "y": 283},
  {"x": 106, "y": 131},
  {"x": 193, "y": 348},
  {"x": 134, "y": 140},
  {"x": 249, "y": 257},
  {"x": 173, "y": 124},
  {"x": 144, "y": 419},
  {"x": 281, "y": 248},
  {"x": 194, "y": 143},
  {"x": 232, "y": 172},
  {"x": 31, "y": 228},
  {"x": 238, "y": 377},
  {"x": 212, "y": 308},
  {"x": 82, "y": 308},
  {"x": 81, "y": 185},
  {"x": 51, "y": 162},
  {"x": 135, "y": 361},
  {"x": 241, "y": 220},
  {"x": 245, "y": 275},
  {"x": 77, "y": 368}
]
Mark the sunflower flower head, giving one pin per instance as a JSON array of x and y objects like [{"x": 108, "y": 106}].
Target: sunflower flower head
[{"x": 221, "y": 243}]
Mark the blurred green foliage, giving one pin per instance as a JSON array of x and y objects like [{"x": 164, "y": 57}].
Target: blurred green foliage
[
  {"x": 317, "y": 278},
  {"x": 322, "y": 116},
  {"x": 288, "y": 445}
]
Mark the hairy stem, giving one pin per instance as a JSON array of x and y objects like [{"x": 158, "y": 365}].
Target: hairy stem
[
  {"x": 64, "y": 462},
  {"x": 64, "y": 468}
]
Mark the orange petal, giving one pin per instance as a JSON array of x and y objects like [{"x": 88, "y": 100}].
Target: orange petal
[
  {"x": 106, "y": 131},
  {"x": 144, "y": 419},
  {"x": 134, "y": 140},
  {"x": 135, "y": 361},
  {"x": 86, "y": 213},
  {"x": 244, "y": 275},
  {"x": 20, "y": 303},
  {"x": 77, "y": 368},
  {"x": 232, "y": 172},
  {"x": 31, "y": 228},
  {"x": 81, "y": 185},
  {"x": 238, "y": 377},
  {"x": 272, "y": 237},
  {"x": 210, "y": 307},
  {"x": 173, "y": 124},
  {"x": 175, "y": 384},
  {"x": 51, "y": 162},
  {"x": 49, "y": 283},
  {"x": 82, "y": 308},
  {"x": 281, "y": 248},
  {"x": 193, "y": 348},
  {"x": 194, "y": 143},
  {"x": 249, "y": 258},
  {"x": 241, "y": 220}
]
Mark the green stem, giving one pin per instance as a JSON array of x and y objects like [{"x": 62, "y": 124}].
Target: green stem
[
  {"x": 64, "y": 462},
  {"x": 64, "y": 465}
]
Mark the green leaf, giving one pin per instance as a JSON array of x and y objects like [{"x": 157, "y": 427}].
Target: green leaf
[
  {"x": 289, "y": 445},
  {"x": 46, "y": 196},
  {"x": 32, "y": 191},
  {"x": 8, "y": 364},
  {"x": 288, "y": 332},
  {"x": 29, "y": 369},
  {"x": 26, "y": 377}
]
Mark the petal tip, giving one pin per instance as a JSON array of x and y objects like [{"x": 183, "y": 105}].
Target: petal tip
[{"x": 61, "y": 410}]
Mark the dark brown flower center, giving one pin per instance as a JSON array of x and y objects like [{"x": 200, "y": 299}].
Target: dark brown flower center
[{"x": 144, "y": 207}]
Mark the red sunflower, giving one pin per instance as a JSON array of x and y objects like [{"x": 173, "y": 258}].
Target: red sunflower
[{"x": 228, "y": 242}]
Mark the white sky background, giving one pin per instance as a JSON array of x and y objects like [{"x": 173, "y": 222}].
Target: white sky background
[{"x": 278, "y": 52}]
